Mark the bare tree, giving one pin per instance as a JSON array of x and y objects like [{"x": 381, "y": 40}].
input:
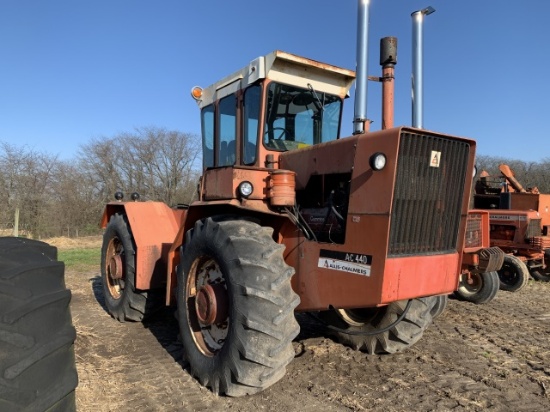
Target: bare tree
[
  {"x": 27, "y": 186},
  {"x": 56, "y": 198},
  {"x": 157, "y": 163}
]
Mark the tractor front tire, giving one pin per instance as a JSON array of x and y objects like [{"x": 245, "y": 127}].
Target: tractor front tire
[
  {"x": 542, "y": 275},
  {"x": 513, "y": 274},
  {"x": 235, "y": 306},
  {"x": 479, "y": 288},
  {"x": 118, "y": 273},
  {"x": 37, "y": 363},
  {"x": 357, "y": 328}
]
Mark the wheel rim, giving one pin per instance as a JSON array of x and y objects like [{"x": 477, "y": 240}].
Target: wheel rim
[
  {"x": 207, "y": 305},
  {"x": 472, "y": 284},
  {"x": 357, "y": 317},
  {"x": 508, "y": 275},
  {"x": 114, "y": 268}
]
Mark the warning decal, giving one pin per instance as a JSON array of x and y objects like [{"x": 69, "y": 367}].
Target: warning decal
[
  {"x": 345, "y": 262},
  {"x": 435, "y": 158}
]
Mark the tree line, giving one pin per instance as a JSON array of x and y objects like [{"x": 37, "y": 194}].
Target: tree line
[
  {"x": 52, "y": 197},
  {"x": 47, "y": 197},
  {"x": 528, "y": 174}
]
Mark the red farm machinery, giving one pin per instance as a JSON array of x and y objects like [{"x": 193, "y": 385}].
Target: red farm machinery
[{"x": 519, "y": 220}]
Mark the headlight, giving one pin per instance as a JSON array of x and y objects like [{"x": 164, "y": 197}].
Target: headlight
[
  {"x": 245, "y": 188},
  {"x": 377, "y": 161}
]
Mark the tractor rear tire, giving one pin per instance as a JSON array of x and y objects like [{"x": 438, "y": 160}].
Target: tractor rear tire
[
  {"x": 118, "y": 273},
  {"x": 513, "y": 274},
  {"x": 398, "y": 338},
  {"x": 235, "y": 306},
  {"x": 483, "y": 287},
  {"x": 37, "y": 362}
]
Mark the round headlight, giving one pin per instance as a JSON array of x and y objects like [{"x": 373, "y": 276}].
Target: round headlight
[
  {"x": 245, "y": 189},
  {"x": 377, "y": 161}
]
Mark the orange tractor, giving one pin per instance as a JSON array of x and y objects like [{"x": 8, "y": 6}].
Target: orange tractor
[
  {"x": 479, "y": 281},
  {"x": 519, "y": 220},
  {"x": 366, "y": 231}
]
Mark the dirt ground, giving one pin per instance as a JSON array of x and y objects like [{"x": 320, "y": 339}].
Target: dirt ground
[{"x": 473, "y": 358}]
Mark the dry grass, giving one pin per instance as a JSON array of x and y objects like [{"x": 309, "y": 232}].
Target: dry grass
[{"x": 64, "y": 243}]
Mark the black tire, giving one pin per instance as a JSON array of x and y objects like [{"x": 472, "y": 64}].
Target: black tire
[
  {"x": 513, "y": 274},
  {"x": 440, "y": 306},
  {"x": 542, "y": 275},
  {"x": 248, "y": 344},
  {"x": 398, "y": 338},
  {"x": 118, "y": 273},
  {"x": 37, "y": 363},
  {"x": 478, "y": 288}
]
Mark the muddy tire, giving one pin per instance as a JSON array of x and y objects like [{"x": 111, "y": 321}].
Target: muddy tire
[
  {"x": 542, "y": 275},
  {"x": 235, "y": 306},
  {"x": 398, "y": 338},
  {"x": 480, "y": 288},
  {"x": 440, "y": 306},
  {"x": 513, "y": 275},
  {"x": 37, "y": 363},
  {"x": 118, "y": 273}
]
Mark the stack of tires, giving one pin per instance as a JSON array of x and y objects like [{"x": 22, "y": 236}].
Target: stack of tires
[{"x": 37, "y": 364}]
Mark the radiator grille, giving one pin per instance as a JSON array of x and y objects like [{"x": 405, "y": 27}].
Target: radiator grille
[
  {"x": 474, "y": 232},
  {"x": 533, "y": 228},
  {"x": 427, "y": 200}
]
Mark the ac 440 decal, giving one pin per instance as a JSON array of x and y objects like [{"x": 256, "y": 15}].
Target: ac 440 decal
[{"x": 345, "y": 262}]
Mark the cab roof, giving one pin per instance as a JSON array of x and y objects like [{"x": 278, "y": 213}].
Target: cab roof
[{"x": 285, "y": 68}]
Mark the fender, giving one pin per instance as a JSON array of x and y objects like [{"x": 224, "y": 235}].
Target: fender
[
  {"x": 200, "y": 210},
  {"x": 154, "y": 227}
]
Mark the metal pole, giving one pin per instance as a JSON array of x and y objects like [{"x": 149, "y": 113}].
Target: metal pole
[
  {"x": 417, "y": 66},
  {"x": 16, "y": 223},
  {"x": 360, "y": 121}
]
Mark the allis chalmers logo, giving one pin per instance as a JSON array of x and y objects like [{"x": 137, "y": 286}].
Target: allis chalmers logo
[
  {"x": 355, "y": 263},
  {"x": 435, "y": 158}
]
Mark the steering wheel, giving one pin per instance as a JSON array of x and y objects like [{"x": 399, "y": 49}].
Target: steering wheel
[{"x": 284, "y": 131}]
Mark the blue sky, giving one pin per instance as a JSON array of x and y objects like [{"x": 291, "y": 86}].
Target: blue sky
[{"x": 73, "y": 70}]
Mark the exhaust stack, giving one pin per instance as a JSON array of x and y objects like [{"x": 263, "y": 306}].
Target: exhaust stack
[
  {"x": 417, "y": 70},
  {"x": 388, "y": 60},
  {"x": 360, "y": 121}
]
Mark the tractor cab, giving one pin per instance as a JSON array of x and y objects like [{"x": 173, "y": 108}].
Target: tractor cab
[{"x": 277, "y": 103}]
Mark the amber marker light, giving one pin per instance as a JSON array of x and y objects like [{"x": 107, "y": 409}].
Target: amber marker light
[{"x": 196, "y": 92}]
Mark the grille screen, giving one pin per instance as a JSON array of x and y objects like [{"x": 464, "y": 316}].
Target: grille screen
[
  {"x": 533, "y": 228},
  {"x": 474, "y": 234},
  {"x": 428, "y": 195}
]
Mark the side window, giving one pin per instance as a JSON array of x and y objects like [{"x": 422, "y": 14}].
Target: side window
[
  {"x": 207, "y": 120},
  {"x": 227, "y": 122},
  {"x": 304, "y": 126},
  {"x": 251, "y": 116}
]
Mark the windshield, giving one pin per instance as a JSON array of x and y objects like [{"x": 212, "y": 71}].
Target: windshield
[{"x": 298, "y": 117}]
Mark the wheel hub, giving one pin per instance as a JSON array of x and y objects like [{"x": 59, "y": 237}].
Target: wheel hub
[
  {"x": 115, "y": 267},
  {"x": 211, "y": 304}
]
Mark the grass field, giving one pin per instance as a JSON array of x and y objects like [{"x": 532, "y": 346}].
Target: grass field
[
  {"x": 80, "y": 253},
  {"x": 80, "y": 259}
]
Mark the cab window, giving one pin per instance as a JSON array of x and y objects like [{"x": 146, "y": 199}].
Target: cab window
[
  {"x": 251, "y": 123},
  {"x": 227, "y": 132},
  {"x": 299, "y": 117},
  {"x": 207, "y": 127}
]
